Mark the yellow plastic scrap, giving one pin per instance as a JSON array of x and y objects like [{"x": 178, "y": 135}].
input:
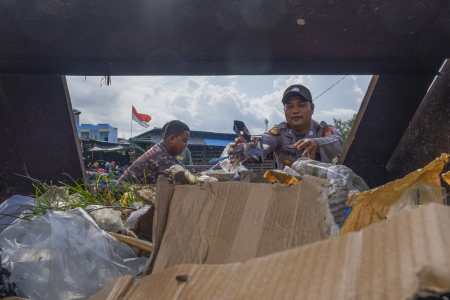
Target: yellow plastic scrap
[
  {"x": 128, "y": 197},
  {"x": 373, "y": 205},
  {"x": 446, "y": 177},
  {"x": 273, "y": 176}
]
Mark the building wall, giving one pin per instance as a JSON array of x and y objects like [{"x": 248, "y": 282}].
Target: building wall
[
  {"x": 113, "y": 135},
  {"x": 98, "y": 132}
]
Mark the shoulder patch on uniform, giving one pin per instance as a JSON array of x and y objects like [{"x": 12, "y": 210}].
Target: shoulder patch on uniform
[
  {"x": 274, "y": 132},
  {"x": 327, "y": 131}
]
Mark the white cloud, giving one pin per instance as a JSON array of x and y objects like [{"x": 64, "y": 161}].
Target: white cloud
[
  {"x": 282, "y": 82},
  {"x": 338, "y": 113}
]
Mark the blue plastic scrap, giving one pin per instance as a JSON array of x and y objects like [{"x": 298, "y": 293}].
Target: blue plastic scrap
[{"x": 347, "y": 211}]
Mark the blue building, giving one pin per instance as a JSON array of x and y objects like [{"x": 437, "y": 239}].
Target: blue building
[{"x": 99, "y": 132}]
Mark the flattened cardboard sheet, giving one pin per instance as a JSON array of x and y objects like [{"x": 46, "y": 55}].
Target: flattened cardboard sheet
[
  {"x": 400, "y": 258},
  {"x": 226, "y": 222}
]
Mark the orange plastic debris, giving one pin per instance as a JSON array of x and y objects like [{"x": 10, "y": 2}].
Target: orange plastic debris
[
  {"x": 273, "y": 176},
  {"x": 373, "y": 205}
]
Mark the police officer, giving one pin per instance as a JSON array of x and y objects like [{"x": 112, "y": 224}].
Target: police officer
[{"x": 300, "y": 135}]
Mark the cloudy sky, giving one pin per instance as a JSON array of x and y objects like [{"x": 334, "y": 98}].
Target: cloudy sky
[{"x": 208, "y": 103}]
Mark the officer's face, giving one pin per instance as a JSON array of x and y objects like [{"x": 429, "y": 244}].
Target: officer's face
[
  {"x": 298, "y": 112},
  {"x": 178, "y": 143}
]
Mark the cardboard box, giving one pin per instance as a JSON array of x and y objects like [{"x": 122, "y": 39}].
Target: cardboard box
[
  {"x": 399, "y": 258},
  {"x": 226, "y": 222}
]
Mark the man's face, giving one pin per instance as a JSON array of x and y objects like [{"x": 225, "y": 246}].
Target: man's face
[
  {"x": 298, "y": 112},
  {"x": 178, "y": 143}
]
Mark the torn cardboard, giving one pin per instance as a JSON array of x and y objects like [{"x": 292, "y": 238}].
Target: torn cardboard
[
  {"x": 226, "y": 222},
  {"x": 399, "y": 258}
]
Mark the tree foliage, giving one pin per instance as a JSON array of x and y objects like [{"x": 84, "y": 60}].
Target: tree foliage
[{"x": 344, "y": 126}]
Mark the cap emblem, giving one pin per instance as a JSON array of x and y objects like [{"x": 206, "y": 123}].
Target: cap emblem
[{"x": 295, "y": 89}]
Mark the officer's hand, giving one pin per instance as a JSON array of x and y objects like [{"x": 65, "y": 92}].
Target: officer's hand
[
  {"x": 310, "y": 145},
  {"x": 239, "y": 140}
]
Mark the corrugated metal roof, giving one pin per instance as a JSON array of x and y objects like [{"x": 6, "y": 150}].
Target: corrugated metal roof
[
  {"x": 97, "y": 148},
  {"x": 196, "y": 141},
  {"x": 214, "y": 142}
]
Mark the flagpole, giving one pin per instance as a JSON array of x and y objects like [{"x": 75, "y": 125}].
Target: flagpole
[{"x": 131, "y": 134}]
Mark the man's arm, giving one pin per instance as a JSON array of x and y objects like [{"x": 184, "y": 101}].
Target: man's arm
[
  {"x": 141, "y": 171},
  {"x": 272, "y": 138},
  {"x": 330, "y": 144}
]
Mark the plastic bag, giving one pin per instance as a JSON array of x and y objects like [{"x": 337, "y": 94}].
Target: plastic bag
[
  {"x": 13, "y": 206},
  {"x": 373, "y": 205},
  {"x": 181, "y": 175},
  {"x": 341, "y": 178},
  {"x": 132, "y": 219},
  {"x": 106, "y": 218},
  {"x": 64, "y": 255},
  {"x": 232, "y": 168},
  {"x": 206, "y": 178},
  {"x": 145, "y": 192},
  {"x": 290, "y": 171},
  {"x": 418, "y": 194}
]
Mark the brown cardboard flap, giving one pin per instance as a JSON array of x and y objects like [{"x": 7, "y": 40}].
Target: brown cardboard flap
[
  {"x": 227, "y": 222},
  {"x": 164, "y": 194},
  {"x": 395, "y": 259}
]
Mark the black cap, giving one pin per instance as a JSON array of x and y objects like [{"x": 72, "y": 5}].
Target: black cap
[{"x": 296, "y": 90}]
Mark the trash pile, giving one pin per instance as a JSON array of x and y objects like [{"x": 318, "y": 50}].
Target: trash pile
[
  {"x": 222, "y": 239},
  {"x": 63, "y": 255},
  {"x": 59, "y": 246},
  {"x": 70, "y": 242},
  {"x": 342, "y": 182}
]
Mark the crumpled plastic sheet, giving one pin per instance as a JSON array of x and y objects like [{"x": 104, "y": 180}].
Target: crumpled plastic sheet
[
  {"x": 132, "y": 219},
  {"x": 107, "y": 219},
  {"x": 13, "y": 206},
  {"x": 7, "y": 289},
  {"x": 64, "y": 255},
  {"x": 418, "y": 194},
  {"x": 232, "y": 167},
  {"x": 238, "y": 154},
  {"x": 341, "y": 178},
  {"x": 372, "y": 206},
  {"x": 146, "y": 192}
]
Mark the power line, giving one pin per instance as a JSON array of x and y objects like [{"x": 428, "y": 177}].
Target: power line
[{"x": 330, "y": 87}]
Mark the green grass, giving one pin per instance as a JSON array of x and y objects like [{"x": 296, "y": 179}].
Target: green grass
[{"x": 80, "y": 195}]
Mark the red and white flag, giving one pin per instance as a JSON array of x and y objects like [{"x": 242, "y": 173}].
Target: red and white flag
[{"x": 141, "y": 119}]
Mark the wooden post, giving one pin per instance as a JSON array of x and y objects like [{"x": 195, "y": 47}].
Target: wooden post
[{"x": 359, "y": 116}]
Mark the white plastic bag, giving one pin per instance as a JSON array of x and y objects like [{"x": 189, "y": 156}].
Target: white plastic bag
[
  {"x": 106, "y": 218},
  {"x": 13, "y": 206},
  {"x": 291, "y": 171},
  {"x": 418, "y": 194},
  {"x": 132, "y": 219},
  {"x": 64, "y": 255},
  {"x": 341, "y": 178}
]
